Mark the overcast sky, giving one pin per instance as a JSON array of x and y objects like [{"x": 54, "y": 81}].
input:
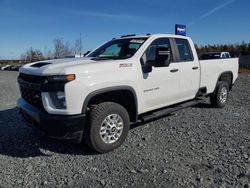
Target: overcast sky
[{"x": 26, "y": 23}]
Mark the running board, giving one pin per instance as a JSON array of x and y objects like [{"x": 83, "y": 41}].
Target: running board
[{"x": 166, "y": 111}]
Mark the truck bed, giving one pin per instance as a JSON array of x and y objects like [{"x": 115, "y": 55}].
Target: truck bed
[{"x": 212, "y": 69}]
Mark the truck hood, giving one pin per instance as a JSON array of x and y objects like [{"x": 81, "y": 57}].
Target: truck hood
[{"x": 58, "y": 66}]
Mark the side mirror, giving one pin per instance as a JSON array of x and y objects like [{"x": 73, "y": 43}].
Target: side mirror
[
  {"x": 86, "y": 53},
  {"x": 162, "y": 56},
  {"x": 146, "y": 68}
]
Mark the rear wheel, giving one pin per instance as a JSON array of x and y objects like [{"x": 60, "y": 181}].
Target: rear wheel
[
  {"x": 108, "y": 127},
  {"x": 220, "y": 96}
]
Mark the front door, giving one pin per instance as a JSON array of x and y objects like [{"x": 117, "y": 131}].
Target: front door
[{"x": 159, "y": 87}]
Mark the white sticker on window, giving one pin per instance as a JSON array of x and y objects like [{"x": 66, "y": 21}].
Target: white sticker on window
[{"x": 138, "y": 41}]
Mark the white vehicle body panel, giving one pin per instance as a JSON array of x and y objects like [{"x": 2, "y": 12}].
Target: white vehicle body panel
[
  {"x": 211, "y": 70},
  {"x": 190, "y": 78},
  {"x": 166, "y": 88}
]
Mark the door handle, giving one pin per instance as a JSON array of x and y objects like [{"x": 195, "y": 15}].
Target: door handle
[
  {"x": 194, "y": 68},
  {"x": 174, "y": 70}
]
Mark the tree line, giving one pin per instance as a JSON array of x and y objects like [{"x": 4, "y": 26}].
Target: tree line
[
  {"x": 63, "y": 49},
  {"x": 235, "y": 50}
]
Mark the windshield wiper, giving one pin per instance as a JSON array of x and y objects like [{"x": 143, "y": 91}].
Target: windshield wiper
[
  {"x": 108, "y": 57},
  {"x": 99, "y": 58}
]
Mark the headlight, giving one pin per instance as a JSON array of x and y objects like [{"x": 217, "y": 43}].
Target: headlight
[
  {"x": 61, "y": 78},
  {"x": 55, "y": 86},
  {"x": 58, "y": 99}
]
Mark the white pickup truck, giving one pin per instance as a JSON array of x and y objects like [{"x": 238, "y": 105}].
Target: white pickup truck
[{"x": 133, "y": 78}]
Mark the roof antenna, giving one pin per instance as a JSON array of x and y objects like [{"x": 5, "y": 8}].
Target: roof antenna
[{"x": 80, "y": 44}]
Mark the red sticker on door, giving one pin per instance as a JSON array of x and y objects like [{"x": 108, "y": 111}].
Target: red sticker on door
[{"x": 125, "y": 65}]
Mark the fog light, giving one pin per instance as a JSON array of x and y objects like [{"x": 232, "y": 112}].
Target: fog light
[
  {"x": 58, "y": 99},
  {"x": 60, "y": 95}
]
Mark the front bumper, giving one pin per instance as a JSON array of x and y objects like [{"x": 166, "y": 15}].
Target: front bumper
[{"x": 69, "y": 127}]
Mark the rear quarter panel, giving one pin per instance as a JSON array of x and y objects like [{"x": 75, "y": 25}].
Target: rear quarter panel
[{"x": 212, "y": 69}]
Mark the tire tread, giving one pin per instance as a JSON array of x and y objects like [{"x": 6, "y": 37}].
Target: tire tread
[{"x": 93, "y": 117}]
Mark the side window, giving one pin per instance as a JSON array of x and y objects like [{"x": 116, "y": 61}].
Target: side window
[
  {"x": 153, "y": 53},
  {"x": 184, "y": 50}
]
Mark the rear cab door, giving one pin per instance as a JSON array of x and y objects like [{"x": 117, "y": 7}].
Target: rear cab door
[{"x": 189, "y": 68}]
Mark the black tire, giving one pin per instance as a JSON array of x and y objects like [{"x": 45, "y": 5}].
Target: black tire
[
  {"x": 219, "y": 97},
  {"x": 101, "y": 112}
]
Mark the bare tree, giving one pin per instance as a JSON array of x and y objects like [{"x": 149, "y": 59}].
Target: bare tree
[
  {"x": 61, "y": 49},
  {"x": 32, "y": 55},
  {"x": 49, "y": 55}
]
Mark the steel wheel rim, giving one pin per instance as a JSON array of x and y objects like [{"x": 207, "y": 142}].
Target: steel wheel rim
[
  {"x": 111, "y": 128},
  {"x": 223, "y": 95}
]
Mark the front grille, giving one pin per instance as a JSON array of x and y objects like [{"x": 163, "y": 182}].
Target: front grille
[
  {"x": 28, "y": 92},
  {"x": 32, "y": 78},
  {"x": 31, "y": 96}
]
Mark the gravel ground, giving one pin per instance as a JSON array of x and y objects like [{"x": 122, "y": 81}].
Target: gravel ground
[{"x": 195, "y": 147}]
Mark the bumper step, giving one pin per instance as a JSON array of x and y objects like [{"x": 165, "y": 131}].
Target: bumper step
[{"x": 166, "y": 111}]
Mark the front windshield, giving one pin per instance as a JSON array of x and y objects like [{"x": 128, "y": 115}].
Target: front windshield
[{"x": 118, "y": 48}]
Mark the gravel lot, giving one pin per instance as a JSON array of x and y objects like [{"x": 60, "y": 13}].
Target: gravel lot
[{"x": 195, "y": 147}]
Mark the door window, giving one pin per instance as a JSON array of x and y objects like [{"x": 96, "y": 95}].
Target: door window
[
  {"x": 161, "y": 46},
  {"x": 184, "y": 50}
]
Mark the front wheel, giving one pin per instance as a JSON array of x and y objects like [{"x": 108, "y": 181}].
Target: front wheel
[
  {"x": 108, "y": 127},
  {"x": 220, "y": 96}
]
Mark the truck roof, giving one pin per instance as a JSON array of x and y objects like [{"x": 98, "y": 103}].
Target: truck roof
[{"x": 154, "y": 35}]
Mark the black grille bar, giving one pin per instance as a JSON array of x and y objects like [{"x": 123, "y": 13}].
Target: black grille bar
[
  {"x": 29, "y": 85},
  {"x": 31, "y": 96},
  {"x": 32, "y": 78},
  {"x": 30, "y": 88}
]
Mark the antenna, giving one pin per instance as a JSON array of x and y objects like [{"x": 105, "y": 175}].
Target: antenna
[{"x": 80, "y": 44}]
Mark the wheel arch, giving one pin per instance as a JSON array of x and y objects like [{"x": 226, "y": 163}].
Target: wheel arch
[
  {"x": 116, "y": 94},
  {"x": 227, "y": 77}
]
